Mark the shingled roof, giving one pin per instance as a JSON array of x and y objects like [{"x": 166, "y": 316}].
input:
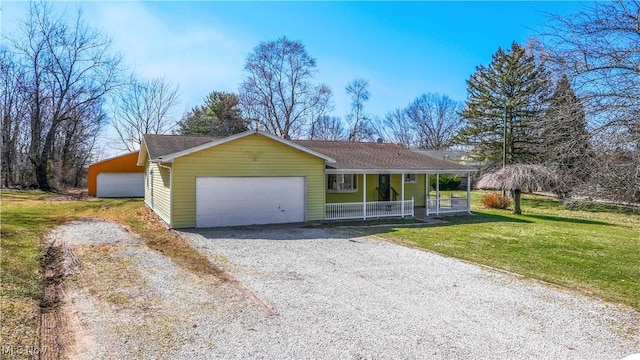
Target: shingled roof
[
  {"x": 378, "y": 156},
  {"x": 355, "y": 156},
  {"x": 159, "y": 145}
]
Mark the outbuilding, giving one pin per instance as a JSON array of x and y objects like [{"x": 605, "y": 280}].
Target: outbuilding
[{"x": 116, "y": 177}]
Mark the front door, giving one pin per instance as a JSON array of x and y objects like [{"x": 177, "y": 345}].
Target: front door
[{"x": 384, "y": 187}]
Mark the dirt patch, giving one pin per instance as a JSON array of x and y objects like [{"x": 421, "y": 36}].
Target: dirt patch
[
  {"x": 71, "y": 195},
  {"x": 58, "y": 262}
]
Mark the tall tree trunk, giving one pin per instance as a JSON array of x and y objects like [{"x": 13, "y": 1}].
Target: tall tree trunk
[
  {"x": 41, "y": 176},
  {"x": 516, "y": 201}
]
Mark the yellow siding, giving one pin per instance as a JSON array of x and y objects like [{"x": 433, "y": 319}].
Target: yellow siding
[
  {"x": 372, "y": 194},
  {"x": 252, "y": 155},
  {"x": 416, "y": 190},
  {"x": 159, "y": 200}
]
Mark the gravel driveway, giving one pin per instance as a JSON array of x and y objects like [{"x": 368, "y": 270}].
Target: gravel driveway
[{"x": 341, "y": 296}]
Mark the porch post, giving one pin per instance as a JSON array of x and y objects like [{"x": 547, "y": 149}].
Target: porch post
[
  {"x": 469, "y": 193},
  {"x": 364, "y": 195},
  {"x": 437, "y": 193},
  {"x": 426, "y": 190},
  {"x": 402, "y": 191}
]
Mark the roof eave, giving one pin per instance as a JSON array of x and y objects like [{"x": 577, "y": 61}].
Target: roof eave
[{"x": 173, "y": 156}]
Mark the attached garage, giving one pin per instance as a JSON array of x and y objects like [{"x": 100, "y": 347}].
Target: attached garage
[
  {"x": 244, "y": 179},
  {"x": 230, "y": 201},
  {"x": 114, "y": 185}
]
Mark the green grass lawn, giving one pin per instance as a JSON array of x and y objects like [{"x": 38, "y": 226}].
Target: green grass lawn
[{"x": 592, "y": 248}]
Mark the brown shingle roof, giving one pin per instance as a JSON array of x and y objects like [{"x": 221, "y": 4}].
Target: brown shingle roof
[
  {"x": 380, "y": 156},
  {"x": 159, "y": 145},
  {"x": 348, "y": 155}
]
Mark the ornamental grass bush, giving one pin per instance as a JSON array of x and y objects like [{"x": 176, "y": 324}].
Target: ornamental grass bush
[{"x": 495, "y": 200}]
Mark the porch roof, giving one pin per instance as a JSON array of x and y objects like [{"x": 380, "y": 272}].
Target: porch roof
[{"x": 370, "y": 157}]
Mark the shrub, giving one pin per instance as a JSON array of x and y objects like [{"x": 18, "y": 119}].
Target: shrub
[
  {"x": 495, "y": 200},
  {"x": 447, "y": 182}
]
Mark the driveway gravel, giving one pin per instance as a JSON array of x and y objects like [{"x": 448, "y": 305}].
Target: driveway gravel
[
  {"x": 342, "y": 296},
  {"x": 337, "y": 296}
]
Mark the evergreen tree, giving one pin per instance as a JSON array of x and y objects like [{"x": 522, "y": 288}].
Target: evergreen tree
[
  {"x": 504, "y": 102},
  {"x": 220, "y": 115},
  {"x": 565, "y": 139}
]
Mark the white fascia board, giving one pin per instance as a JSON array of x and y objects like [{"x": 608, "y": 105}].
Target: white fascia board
[
  {"x": 172, "y": 157},
  {"x": 144, "y": 151},
  {"x": 398, "y": 171},
  {"x": 113, "y": 158}
]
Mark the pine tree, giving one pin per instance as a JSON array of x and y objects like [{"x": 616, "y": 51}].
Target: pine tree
[
  {"x": 565, "y": 140},
  {"x": 220, "y": 115},
  {"x": 504, "y": 102}
]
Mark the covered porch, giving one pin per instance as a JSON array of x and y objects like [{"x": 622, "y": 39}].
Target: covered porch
[{"x": 402, "y": 193}]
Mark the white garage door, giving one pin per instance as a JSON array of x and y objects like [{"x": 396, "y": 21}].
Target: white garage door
[
  {"x": 120, "y": 185},
  {"x": 229, "y": 201}
]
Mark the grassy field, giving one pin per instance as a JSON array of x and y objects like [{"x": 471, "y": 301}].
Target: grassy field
[
  {"x": 592, "y": 248},
  {"x": 28, "y": 216}
]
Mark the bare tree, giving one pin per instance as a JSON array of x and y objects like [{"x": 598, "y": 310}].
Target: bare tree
[
  {"x": 328, "y": 128},
  {"x": 278, "y": 91},
  {"x": 398, "y": 128},
  {"x": 144, "y": 107},
  {"x": 599, "y": 49},
  {"x": 14, "y": 111},
  {"x": 67, "y": 68},
  {"x": 436, "y": 120},
  {"x": 74, "y": 144},
  {"x": 358, "y": 90},
  {"x": 431, "y": 121}
]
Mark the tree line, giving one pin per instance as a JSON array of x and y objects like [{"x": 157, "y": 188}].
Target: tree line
[{"x": 568, "y": 99}]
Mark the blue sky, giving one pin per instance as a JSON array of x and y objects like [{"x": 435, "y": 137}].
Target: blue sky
[{"x": 404, "y": 49}]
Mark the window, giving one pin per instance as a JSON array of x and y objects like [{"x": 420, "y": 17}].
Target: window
[
  {"x": 342, "y": 182},
  {"x": 409, "y": 178}
]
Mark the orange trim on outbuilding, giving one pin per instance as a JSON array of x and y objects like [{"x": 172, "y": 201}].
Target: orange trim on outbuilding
[{"x": 127, "y": 163}]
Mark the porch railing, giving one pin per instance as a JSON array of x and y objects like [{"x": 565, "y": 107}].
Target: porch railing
[
  {"x": 374, "y": 209},
  {"x": 447, "y": 205}
]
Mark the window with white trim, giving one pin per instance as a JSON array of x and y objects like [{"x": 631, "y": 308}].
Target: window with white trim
[
  {"x": 409, "y": 178},
  {"x": 342, "y": 182}
]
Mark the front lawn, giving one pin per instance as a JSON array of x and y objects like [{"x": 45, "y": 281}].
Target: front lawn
[{"x": 592, "y": 248}]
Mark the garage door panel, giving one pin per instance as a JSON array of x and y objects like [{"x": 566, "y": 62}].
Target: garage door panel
[
  {"x": 228, "y": 201},
  {"x": 120, "y": 185}
]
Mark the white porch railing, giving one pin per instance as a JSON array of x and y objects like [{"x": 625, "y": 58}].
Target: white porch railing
[
  {"x": 447, "y": 205},
  {"x": 374, "y": 209}
]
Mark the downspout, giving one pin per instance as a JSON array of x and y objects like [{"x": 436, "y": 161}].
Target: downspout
[{"x": 170, "y": 191}]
